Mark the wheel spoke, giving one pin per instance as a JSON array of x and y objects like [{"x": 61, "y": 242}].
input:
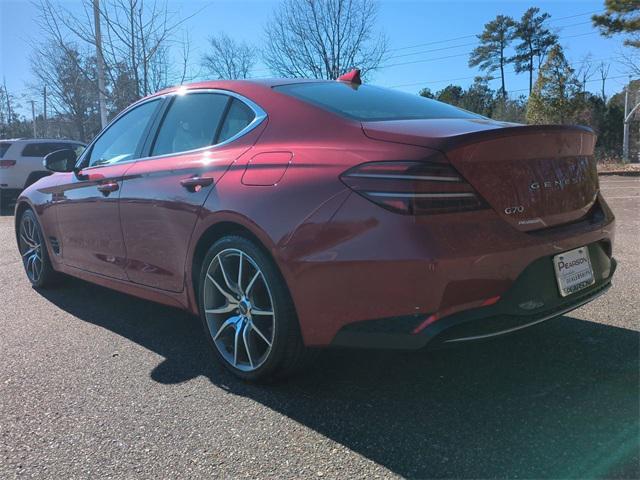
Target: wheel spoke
[
  {"x": 29, "y": 252},
  {"x": 240, "y": 272},
  {"x": 224, "y": 273},
  {"x": 229, "y": 307},
  {"x": 257, "y": 311},
  {"x": 36, "y": 268},
  {"x": 230, "y": 298},
  {"x": 32, "y": 230},
  {"x": 230, "y": 321},
  {"x": 253, "y": 280},
  {"x": 236, "y": 338},
  {"x": 24, "y": 238},
  {"x": 31, "y": 267},
  {"x": 260, "y": 334},
  {"x": 245, "y": 339}
]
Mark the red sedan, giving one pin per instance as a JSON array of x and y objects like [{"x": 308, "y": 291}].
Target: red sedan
[{"x": 295, "y": 214}]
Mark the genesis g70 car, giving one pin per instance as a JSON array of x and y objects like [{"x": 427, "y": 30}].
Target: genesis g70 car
[{"x": 296, "y": 214}]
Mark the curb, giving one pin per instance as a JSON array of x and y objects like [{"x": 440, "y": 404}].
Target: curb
[{"x": 622, "y": 173}]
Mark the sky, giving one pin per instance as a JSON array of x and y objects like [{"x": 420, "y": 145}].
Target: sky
[{"x": 429, "y": 40}]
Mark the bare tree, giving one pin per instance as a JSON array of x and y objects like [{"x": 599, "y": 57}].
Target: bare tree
[
  {"x": 137, "y": 39},
  {"x": 323, "y": 38},
  {"x": 585, "y": 71},
  {"x": 228, "y": 58},
  {"x": 631, "y": 60},
  {"x": 603, "y": 70}
]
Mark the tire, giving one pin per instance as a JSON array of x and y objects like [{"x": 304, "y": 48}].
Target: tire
[
  {"x": 33, "y": 250},
  {"x": 252, "y": 343}
]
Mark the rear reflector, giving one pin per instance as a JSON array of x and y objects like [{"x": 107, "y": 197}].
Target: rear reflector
[
  {"x": 413, "y": 188},
  {"x": 7, "y": 163}
]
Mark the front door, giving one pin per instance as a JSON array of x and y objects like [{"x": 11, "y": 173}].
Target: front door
[{"x": 87, "y": 205}]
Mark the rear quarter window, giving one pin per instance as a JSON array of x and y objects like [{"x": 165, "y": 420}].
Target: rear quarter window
[
  {"x": 368, "y": 103},
  {"x": 4, "y": 146}
]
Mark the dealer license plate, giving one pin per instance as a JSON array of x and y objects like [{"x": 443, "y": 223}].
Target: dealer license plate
[{"x": 573, "y": 270}]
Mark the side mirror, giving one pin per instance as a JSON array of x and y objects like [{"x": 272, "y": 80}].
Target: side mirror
[{"x": 61, "y": 161}]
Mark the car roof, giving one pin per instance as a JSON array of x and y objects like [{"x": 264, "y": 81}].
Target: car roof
[{"x": 239, "y": 84}]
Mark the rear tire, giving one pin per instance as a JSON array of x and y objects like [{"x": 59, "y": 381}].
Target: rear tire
[
  {"x": 33, "y": 250},
  {"x": 247, "y": 312}
]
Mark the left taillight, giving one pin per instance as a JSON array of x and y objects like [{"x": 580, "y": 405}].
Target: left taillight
[
  {"x": 7, "y": 163},
  {"x": 414, "y": 187}
]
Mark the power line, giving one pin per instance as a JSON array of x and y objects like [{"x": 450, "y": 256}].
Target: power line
[
  {"x": 469, "y": 43},
  {"x": 436, "y": 42},
  {"x": 457, "y": 55},
  {"x": 475, "y": 35},
  {"x": 459, "y": 46},
  {"x": 491, "y": 79},
  {"x": 588, "y": 81}
]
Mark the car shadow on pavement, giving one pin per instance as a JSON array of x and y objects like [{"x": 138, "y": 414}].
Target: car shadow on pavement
[{"x": 559, "y": 400}]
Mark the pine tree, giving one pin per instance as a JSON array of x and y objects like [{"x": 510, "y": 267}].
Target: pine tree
[
  {"x": 535, "y": 42},
  {"x": 554, "y": 96},
  {"x": 491, "y": 55},
  {"x": 622, "y": 16}
]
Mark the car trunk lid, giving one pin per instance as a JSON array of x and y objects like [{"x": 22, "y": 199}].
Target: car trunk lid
[{"x": 535, "y": 177}]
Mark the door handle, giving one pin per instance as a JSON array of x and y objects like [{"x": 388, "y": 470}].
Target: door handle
[
  {"x": 107, "y": 188},
  {"x": 194, "y": 184}
]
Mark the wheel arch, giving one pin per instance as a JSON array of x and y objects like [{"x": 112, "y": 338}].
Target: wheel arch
[
  {"x": 212, "y": 233},
  {"x": 21, "y": 207}
]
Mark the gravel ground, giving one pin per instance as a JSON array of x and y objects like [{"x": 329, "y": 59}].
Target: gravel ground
[{"x": 96, "y": 383}]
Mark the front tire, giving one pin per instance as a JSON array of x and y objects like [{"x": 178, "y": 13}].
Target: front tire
[
  {"x": 33, "y": 251},
  {"x": 247, "y": 312}
]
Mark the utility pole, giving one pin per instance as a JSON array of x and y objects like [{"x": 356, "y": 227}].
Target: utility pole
[
  {"x": 628, "y": 113},
  {"x": 6, "y": 93},
  {"x": 33, "y": 117},
  {"x": 100, "y": 62},
  {"x": 625, "y": 131},
  {"x": 44, "y": 125}
]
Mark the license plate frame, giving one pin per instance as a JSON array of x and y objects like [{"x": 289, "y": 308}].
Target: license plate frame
[{"x": 574, "y": 271}]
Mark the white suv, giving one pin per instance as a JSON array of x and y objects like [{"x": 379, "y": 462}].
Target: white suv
[{"x": 21, "y": 163}]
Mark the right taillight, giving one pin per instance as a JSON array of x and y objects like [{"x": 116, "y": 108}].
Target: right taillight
[
  {"x": 7, "y": 163},
  {"x": 413, "y": 188}
]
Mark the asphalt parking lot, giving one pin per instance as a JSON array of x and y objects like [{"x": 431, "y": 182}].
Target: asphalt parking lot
[{"x": 96, "y": 383}]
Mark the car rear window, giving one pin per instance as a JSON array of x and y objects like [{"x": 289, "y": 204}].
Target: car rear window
[
  {"x": 369, "y": 103},
  {"x": 43, "y": 149},
  {"x": 4, "y": 146}
]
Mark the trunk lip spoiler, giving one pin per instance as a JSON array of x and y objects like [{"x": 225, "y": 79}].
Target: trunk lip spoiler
[{"x": 444, "y": 142}]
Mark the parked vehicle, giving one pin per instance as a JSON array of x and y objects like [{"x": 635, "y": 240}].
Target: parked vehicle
[
  {"x": 295, "y": 214},
  {"x": 21, "y": 163}
]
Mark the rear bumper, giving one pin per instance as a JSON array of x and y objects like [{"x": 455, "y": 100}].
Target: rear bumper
[{"x": 532, "y": 299}]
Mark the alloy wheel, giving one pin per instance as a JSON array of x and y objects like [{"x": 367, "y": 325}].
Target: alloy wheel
[
  {"x": 31, "y": 248},
  {"x": 239, "y": 310}
]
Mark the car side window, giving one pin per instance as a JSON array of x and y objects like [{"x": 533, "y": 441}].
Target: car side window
[
  {"x": 237, "y": 119},
  {"x": 121, "y": 140},
  {"x": 191, "y": 122},
  {"x": 44, "y": 149}
]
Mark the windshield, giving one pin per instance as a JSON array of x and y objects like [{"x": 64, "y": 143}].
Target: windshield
[{"x": 369, "y": 103}]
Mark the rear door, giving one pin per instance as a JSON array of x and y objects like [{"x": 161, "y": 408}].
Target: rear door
[
  {"x": 198, "y": 137},
  {"x": 87, "y": 202}
]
